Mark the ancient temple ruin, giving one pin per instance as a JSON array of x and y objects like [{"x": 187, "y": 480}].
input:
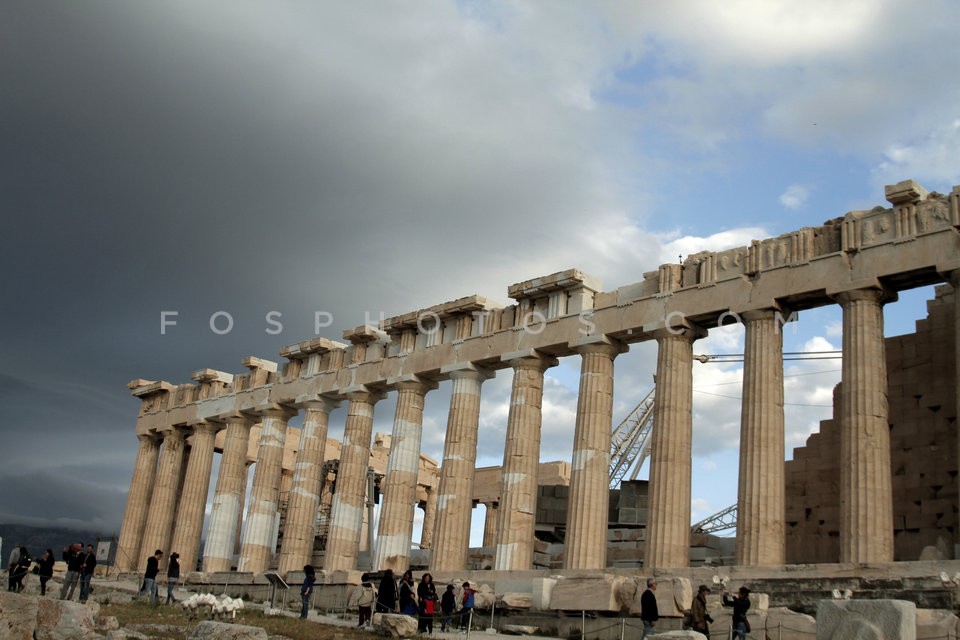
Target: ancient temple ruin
[{"x": 848, "y": 503}]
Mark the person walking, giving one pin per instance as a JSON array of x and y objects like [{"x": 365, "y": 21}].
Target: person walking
[
  {"x": 408, "y": 602},
  {"x": 448, "y": 604},
  {"x": 12, "y": 561},
  {"x": 73, "y": 556},
  {"x": 701, "y": 620},
  {"x": 86, "y": 572},
  {"x": 22, "y": 568},
  {"x": 427, "y": 595},
  {"x": 306, "y": 589},
  {"x": 741, "y": 604},
  {"x": 363, "y": 597},
  {"x": 387, "y": 593},
  {"x": 468, "y": 601},
  {"x": 649, "y": 614},
  {"x": 45, "y": 570},
  {"x": 173, "y": 576},
  {"x": 150, "y": 576}
]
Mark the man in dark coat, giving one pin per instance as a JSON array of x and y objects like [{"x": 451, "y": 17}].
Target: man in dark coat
[
  {"x": 86, "y": 572},
  {"x": 150, "y": 576},
  {"x": 649, "y": 613},
  {"x": 73, "y": 556}
]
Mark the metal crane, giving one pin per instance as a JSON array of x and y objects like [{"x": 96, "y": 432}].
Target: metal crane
[{"x": 630, "y": 441}]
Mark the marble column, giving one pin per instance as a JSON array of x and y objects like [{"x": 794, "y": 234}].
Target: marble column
[
  {"x": 227, "y": 507},
  {"x": 163, "y": 504},
  {"x": 585, "y": 546},
  {"x": 429, "y": 518},
  {"x": 256, "y": 550},
  {"x": 395, "y": 532},
  {"x": 866, "y": 497},
  {"x": 349, "y": 500},
  {"x": 298, "y": 533},
  {"x": 760, "y": 496},
  {"x": 193, "y": 500},
  {"x": 521, "y": 462},
  {"x": 954, "y": 277},
  {"x": 668, "y": 523},
  {"x": 138, "y": 503},
  {"x": 490, "y": 524},
  {"x": 455, "y": 501}
]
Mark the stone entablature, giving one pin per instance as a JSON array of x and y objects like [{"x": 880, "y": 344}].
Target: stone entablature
[{"x": 904, "y": 246}]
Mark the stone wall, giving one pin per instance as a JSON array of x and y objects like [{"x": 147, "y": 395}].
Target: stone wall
[{"x": 923, "y": 444}]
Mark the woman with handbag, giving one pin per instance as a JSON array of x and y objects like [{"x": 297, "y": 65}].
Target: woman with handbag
[{"x": 427, "y": 594}]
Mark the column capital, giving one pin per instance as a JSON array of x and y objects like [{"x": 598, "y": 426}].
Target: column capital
[
  {"x": 206, "y": 426},
  {"x": 275, "y": 411},
  {"x": 529, "y": 359},
  {"x": 148, "y": 437},
  {"x": 467, "y": 370},
  {"x": 412, "y": 382},
  {"x": 599, "y": 344},
  {"x": 173, "y": 432},
  {"x": 875, "y": 292},
  {"x": 233, "y": 416},
  {"x": 325, "y": 404},
  {"x": 686, "y": 331},
  {"x": 362, "y": 393},
  {"x": 953, "y": 277}
]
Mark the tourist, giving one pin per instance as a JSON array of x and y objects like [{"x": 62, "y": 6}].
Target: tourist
[
  {"x": 306, "y": 589},
  {"x": 468, "y": 602},
  {"x": 387, "y": 593},
  {"x": 150, "y": 576},
  {"x": 741, "y": 604},
  {"x": 73, "y": 556},
  {"x": 408, "y": 603},
  {"x": 427, "y": 595},
  {"x": 12, "y": 562},
  {"x": 649, "y": 614},
  {"x": 22, "y": 568},
  {"x": 86, "y": 572},
  {"x": 173, "y": 576},
  {"x": 448, "y": 603},
  {"x": 363, "y": 597},
  {"x": 700, "y": 618},
  {"x": 45, "y": 570}
]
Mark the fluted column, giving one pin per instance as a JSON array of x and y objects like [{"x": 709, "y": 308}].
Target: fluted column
[
  {"x": 589, "y": 504},
  {"x": 668, "y": 525},
  {"x": 227, "y": 507},
  {"x": 429, "y": 519},
  {"x": 163, "y": 504},
  {"x": 400, "y": 484},
  {"x": 138, "y": 503},
  {"x": 490, "y": 524},
  {"x": 760, "y": 496},
  {"x": 349, "y": 500},
  {"x": 455, "y": 501},
  {"x": 521, "y": 461},
  {"x": 257, "y": 548},
  {"x": 866, "y": 500},
  {"x": 193, "y": 500},
  {"x": 954, "y": 277},
  {"x": 298, "y": 532}
]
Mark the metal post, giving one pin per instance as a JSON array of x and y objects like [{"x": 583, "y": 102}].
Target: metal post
[
  {"x": 469, "y": 623},
  {"x": 623, "y": 622},
  {"x": 493, "y": 609},
  {"x": 583, "y": 625},
  {"x": 780, "y": 630}
]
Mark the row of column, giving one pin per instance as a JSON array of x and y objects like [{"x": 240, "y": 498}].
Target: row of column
[{"x": 866, "y": 499}]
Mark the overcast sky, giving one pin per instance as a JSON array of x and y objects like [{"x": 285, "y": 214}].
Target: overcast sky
[{"x": 370, "y": 157}]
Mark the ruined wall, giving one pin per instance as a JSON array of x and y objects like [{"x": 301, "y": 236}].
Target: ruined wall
[{"x": 921, "y": 377}]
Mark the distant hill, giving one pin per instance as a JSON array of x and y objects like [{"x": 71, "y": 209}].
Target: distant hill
[{"x": 39, "y": 539}]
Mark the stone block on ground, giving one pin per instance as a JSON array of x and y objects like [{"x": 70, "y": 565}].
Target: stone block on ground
[
  {"x": 18, "y": 616},
  {"x": 789, "y": 625},
  {"x": 126, "y": 634},
  {"x": 936, "y": 623},
  {"x": 213, "y": 630},
  {"x": 866, "y": 619},
  {"x": 691, "y": 635},
  {"x": 395, "y": 625},
  {"x": 542, "y": 593},
  {"x": 674, "y": 596},
  {"x": 62, "y": 620},
  {"x": 517, "y": 600},
  {"x": 587, "y": 593},
  {"x": 107, "y": 623},
  {"x": 519, "y": 630},
  {"x": 484, "y": 597}
]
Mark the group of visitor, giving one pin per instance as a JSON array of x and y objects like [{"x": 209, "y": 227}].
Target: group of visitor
[
  {"x": 149, "y": 584},
  {"x": 698, "y": 618},
  {"x": 80, "y": 567}
]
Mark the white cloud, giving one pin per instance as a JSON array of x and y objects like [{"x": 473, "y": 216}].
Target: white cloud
[
  {"x": 934, "y": 156},
  {"x": 795, "y": 196}
]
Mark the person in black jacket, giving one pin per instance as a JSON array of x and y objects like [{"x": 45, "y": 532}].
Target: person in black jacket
[
  {"x": 150, "y": 576},
  {"x": 173, "y": 576},
  {"x": 649, "y": 613},
  {"x": 448, "y": 603},
  {"x": 427, "y": 594},
  {"x": 73, "y": 556},
  {"x": 21, "y": 569},
  {"x": 740, "y": 604},
  {"x": 45, "y": 571},
  {"x": 407, "y": 601},
  {"x": 387, "y": 593},
  {"x": 86, "y": 572},
  {"x": 306, "y": 589}
]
